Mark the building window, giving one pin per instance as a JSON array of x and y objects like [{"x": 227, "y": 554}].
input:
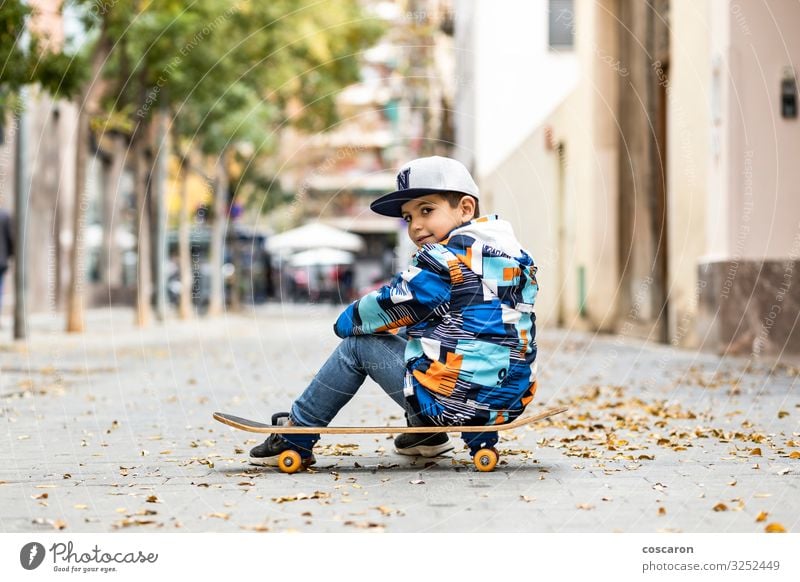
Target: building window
[{"x": 561, "y": 24}]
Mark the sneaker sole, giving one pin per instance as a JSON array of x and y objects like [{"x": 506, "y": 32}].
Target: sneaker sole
[
  {"x": 426, "y": 450},
  {"x": 273, "y": 461}
]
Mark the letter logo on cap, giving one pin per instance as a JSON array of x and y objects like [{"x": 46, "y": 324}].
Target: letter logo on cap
[{"x": 403, "y": 179}]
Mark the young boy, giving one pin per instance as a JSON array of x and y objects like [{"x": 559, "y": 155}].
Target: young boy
[{"x": 466, "y": 302}]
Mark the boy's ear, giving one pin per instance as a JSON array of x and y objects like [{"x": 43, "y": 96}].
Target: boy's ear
[{"x": 467, "y": 207}]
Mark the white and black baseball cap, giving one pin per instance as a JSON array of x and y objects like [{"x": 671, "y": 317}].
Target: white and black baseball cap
[{"x": 425, "y": 176}]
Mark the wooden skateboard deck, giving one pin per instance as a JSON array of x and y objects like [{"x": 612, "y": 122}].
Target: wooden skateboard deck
[
  {"x": 260, "y": 427},
  {"x": 290, "y": 461}
]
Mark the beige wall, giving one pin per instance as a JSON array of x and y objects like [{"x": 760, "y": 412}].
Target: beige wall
[
  {"x": 598, "y": 178},
  {"x": 757, "y": 170},
  {"x": 524, "y": 190},
  {"x": 579, "y": 202},
  {"x": 689, "y": 135}
]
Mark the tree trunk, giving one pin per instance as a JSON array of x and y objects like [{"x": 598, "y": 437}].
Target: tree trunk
[
  {"x": 144, "y": 285},
  {"x": 110, "y": 266},
  {"x": 184, "y": 250},
  {"x": 21, "y": 200},
  {"x": 161, "y": 147},
  {"x": 217, "y": 250},
  {"x": 76, "y": 260},
  {"x": 89, "y": 105}
]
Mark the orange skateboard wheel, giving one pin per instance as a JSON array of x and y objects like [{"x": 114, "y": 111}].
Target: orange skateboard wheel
[
  {"x": 485, "y": 460},
  {"x": 289, "y": 461}
]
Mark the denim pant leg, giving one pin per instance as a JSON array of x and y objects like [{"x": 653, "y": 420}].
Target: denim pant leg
[{"x": 381, "y": 357}]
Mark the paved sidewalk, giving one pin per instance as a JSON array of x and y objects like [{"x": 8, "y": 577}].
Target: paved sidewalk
[{"x": 112, "y": 431}]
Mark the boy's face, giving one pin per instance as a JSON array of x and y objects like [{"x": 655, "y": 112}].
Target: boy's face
[{"x": 430, "y": 218}]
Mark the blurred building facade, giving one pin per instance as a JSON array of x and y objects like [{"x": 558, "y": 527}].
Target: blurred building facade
[
  {"x": 660, "y": 190},
  {"x": 49, "y": 165},
  {"x": 401, "y": 109}
]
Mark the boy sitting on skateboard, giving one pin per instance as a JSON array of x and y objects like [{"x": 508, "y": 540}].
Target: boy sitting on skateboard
[{"x": 466, "y": 302}]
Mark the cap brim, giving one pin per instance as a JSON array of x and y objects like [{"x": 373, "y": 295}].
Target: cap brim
[{"x": 391, "y": 204}]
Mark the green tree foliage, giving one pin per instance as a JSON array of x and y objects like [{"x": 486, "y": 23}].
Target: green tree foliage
[{"x": 24, "y": 62}]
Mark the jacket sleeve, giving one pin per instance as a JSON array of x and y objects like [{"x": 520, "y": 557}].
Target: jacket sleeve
[{"x": 412, "y": 296}]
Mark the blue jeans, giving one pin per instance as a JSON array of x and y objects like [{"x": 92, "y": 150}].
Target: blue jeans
[{"x": 381, "y": 357}]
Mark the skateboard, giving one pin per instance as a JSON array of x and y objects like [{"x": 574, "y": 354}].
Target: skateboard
[{"x": 289, "y": 461}]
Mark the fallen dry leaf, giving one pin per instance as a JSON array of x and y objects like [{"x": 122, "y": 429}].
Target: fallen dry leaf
[
  {"x": 364, "y": 524},
  {"x": 762, "y": 517},
  {"x": 775, "y": 528},
  {"x": 219, "y": 515},
  {"x": 131, "y": 522},
  {"x": 720, "y": 507},
  {"x": 301, "y": 497},
  {"x": 58, "y": 524}
]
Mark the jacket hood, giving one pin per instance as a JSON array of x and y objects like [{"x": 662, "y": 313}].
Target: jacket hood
[
  {"x": 495, "y": 239},
  {"x": 497, "y": 233}
]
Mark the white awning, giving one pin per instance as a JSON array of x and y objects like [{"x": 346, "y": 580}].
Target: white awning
[
  {"x": 321, "y": 257},
  {"x": 314, "y": 236}
]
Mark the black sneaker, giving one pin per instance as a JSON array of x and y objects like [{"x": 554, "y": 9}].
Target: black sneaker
[
  {"x": 266, "y": 454},
  {"x": 424, "y": 444}
]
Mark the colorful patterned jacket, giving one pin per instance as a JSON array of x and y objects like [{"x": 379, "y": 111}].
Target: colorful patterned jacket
[{"x": 467, "y": 304}]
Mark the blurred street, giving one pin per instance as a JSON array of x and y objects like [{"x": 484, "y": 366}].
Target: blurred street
[{"x": 112, "y": 431}]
